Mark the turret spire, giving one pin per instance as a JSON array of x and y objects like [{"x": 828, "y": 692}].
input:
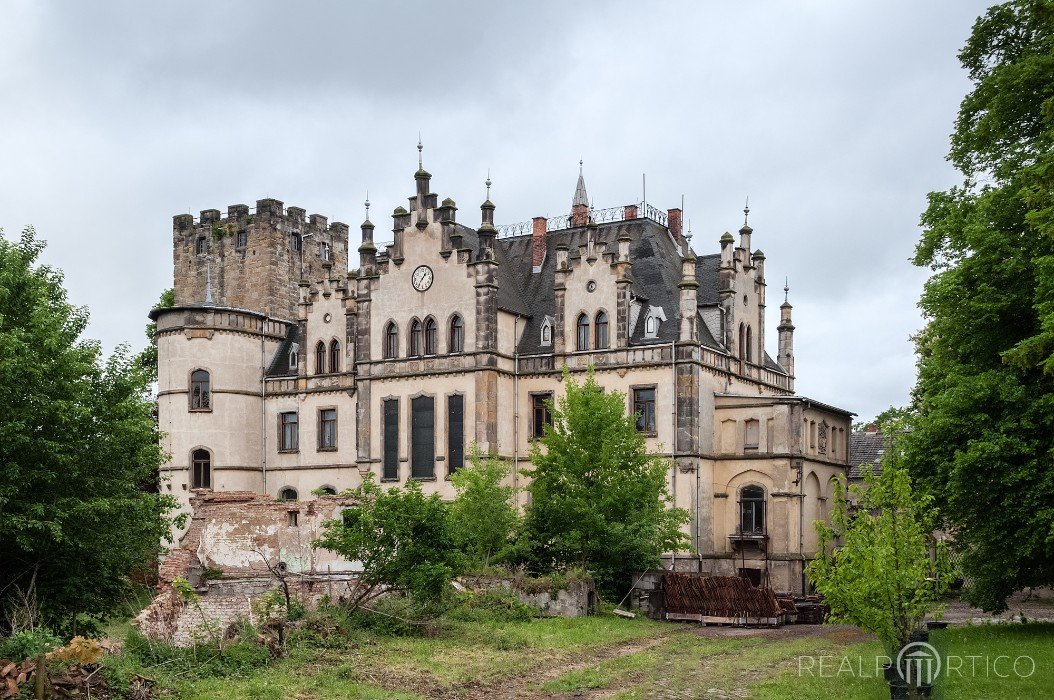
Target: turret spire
[
  {"x": 487, "y": 183},
  {"x": 367, "y": 204},
  {"x": 420, "y": 153},
  {"x": 786, "y": 289},
  {"x": 581, "y": 198}
]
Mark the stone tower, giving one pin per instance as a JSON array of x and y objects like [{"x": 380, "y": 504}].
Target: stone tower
[{"x": 254, "y": 260}]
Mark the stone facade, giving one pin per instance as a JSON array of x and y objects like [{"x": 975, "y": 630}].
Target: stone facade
[{"x": 450, "y": 335}]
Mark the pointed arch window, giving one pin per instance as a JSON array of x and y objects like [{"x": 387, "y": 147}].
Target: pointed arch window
[
  {"x": 415, "y": 338},
  {"x": 583, "y": 332},
  {"x": 391, "y": 341},
  {"x": 742, "y": 341},
  {"x": 200, "y": 391},
  {"x": 600, "y": 331},
  {"x": 752, "y": 510},
  {"x": 750, "y": 344},
  {"x": 547, "y": 331},
  {"x": 201, "y": 469},
  {"x": 320, "y": 358},
  {"x": 431, "y": 336},
  {"x": 457, "y": 334},
  {"x": 334, "y": 356}
]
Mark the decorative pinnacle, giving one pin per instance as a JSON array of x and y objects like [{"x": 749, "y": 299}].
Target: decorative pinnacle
[
  {"x": 786, "y": 288},
  {"x": 487, "y": 183},
  {"x": 746, "y": 211},
  {"x": 367, "y": 204},
  {"x": 420, "y": 149},
  {"x": 580, "y": 166},
  {"x": 688, "y": 236}
]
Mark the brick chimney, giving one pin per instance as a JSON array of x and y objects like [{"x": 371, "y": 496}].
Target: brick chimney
[
  {"x": 538, "y": 242},
  {"x": 629, "y": 212},
  {"x": 673, "y": 221}
]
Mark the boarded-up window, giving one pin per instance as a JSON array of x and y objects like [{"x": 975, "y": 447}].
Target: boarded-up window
[
  {"x": 752, "y": 437},
  {"x": 455, "y": 431},
  {"x": 422, "y": 437},
  {"x": 391, "y": 439}
]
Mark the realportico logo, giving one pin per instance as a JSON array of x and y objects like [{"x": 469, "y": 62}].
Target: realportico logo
[{"x": 918, "y": 663}]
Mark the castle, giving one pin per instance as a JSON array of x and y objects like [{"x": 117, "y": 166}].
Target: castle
[{"x": 282, "y": 372}]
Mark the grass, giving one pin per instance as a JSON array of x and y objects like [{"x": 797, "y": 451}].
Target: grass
[{"x": 615, "y": 657}]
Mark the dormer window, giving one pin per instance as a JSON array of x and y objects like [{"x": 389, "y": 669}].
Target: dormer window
[
  {"x": 547, "y": 331},
  {"x": 293, "y": 356},
  {"x": 652, "y": 321}
]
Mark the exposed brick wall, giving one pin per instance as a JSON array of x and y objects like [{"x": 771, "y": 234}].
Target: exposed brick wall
[
  {"x": 673, "y": 221},
  {"x": 538, "y": 240}
]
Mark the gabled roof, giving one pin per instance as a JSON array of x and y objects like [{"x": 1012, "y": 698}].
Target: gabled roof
[{"x": 866, "y": 448}]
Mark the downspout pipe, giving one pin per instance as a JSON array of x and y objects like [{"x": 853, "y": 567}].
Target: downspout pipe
[
  {"x": 516, "y": 412},
  {"x": 673, "y": 443}
]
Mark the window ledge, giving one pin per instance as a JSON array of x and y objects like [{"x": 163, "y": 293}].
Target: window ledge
[
  {"x": 288, "y": 452},
  {"x": 200, "y": 410},
  {"x": 389, "y": 480},
  {"x": 327, "y": 449},
  {"x": 423, "y": 478}
]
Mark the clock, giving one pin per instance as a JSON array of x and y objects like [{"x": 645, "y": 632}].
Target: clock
[{"x": 422, "y": 278}]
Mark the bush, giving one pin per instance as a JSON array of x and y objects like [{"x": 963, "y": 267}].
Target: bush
[
  {"x": 29, "y": 644},
  {"x": 236, "y": 658},
  {"x": 495, "y": 605}
]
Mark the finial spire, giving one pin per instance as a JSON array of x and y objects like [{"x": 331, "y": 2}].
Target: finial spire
[
  {"x": 420, "y": 154},
  {"x": 581, "y": 198},
  {"x": 746, "y": 211},
  {"x": 688, "y": 236},
  {"x": 367, "y": 204},
  {"x": 786, "y": 288},
  {"x": 580, "y": 161},
  {"x": 487, "y": 183}
]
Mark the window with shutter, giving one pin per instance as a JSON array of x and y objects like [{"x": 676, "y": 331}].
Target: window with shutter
[
  {"x": 422, "y": 437},
  {"x": 391, "y": 439},
  {"x": 455, "y": 425}
]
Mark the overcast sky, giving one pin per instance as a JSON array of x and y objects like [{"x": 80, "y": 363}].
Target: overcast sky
[{"x": 832, "y": 116}]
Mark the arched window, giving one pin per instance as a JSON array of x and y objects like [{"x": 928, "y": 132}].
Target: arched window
[
  {"x": 750, "y": 344},
  {"x": 201, "y": 469},
  {"x": 415, "y": 338},
  {"x": 583, "y": 332},
  {"x": 200, "y": 391},
  {"x": 600, "y": 332},
  {"x": 391, "y": 340},
  {"x": 288, "y": 494},
  {"x": 327, "y": 491},
  {"x": 742, "y": 341},
  {"x": 547, "y": 332},
  {"x": 431, "y": 336},
  {"x": 334, "y": 356},
  {"x": 320, "y": 358},
  {"x": 752, "y": 510},
  {"x": 457, "y": 334}
]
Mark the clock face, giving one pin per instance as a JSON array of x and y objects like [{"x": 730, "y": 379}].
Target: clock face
[{"x": 422, "y": 278}]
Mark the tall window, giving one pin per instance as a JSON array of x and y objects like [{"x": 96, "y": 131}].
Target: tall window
[
  {"x": 583, "y": 332},
  {"x": 415, "y": 338},
  {"x": 288, "y": 432},
  {"x": 752, "y": 510},
  {"x": 200, "y": 391},
  {"x": 241, "y": 240},
  {"x": 391, "y": 340},
  {"x": 327, "y": 429},
  {"x": 422, "y": 437},
  {"x": 391, "y": 439},
  {"x": 200, "y": 470},
  {"x": 601, "y": 331},
  {"x": 644, "y": 407},
  {"x": 334, "y": 356},
  {"x": 457, "y": 334},
  {"x": 325, "y": 251},
  {"x": 431, "y": 336},
  {"x": 295, "y": 241},
  {"x": 320, "y": 358},
  {"x": 455, "y": 431},
  {"x": 750, "y": 344},
  {"x": 742, "y": 341},
  {"x": 540, "y": 416},
  {"x": 200, "y": 246}
]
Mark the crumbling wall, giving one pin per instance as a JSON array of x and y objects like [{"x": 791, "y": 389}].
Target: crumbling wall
[
  {"x": 575, "y": 599},
  {"x": 239, "y": 546}
]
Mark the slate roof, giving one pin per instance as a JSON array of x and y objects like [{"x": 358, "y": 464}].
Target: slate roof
[{"x": 865, "y": 448}]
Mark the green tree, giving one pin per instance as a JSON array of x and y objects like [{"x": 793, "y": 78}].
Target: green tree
[
  {"x": 983, "y": 438},
  {"x": 483, "y": 515},
  {"x": 148, "y": 357},
  {"x": 77, "y": 441},
  {"x": 880, "y": 576},
  {"x": 599, "y": 500},
  {"x": 403, "y": 539}
]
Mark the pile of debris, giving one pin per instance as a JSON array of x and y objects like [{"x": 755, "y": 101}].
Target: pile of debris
[
  {"x": 720, "y": 600},
  {"x": 13, "y": 675}
]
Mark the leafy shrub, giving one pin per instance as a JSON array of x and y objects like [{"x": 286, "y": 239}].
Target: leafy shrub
[
  {"x": 495, "y": 605},
  {"x": 28, "y": 645}
]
